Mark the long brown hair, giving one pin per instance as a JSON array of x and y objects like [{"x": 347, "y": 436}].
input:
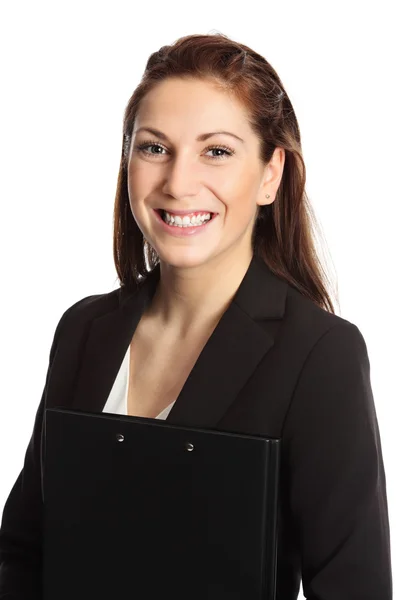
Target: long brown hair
[{"x": 284, "y": 231}]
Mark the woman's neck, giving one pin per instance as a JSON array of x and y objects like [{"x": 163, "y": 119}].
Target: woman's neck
[{"x": 190, "y": 301}]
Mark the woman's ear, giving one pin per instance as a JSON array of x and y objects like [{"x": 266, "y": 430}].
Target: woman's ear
[{"x": 272, "y": 177}]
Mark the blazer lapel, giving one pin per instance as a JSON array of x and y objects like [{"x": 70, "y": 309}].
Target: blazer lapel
[
  {"x": 107, "y": 342},
  {"x": 235, "y": 348}
]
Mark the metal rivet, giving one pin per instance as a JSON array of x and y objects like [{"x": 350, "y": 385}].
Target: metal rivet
[
  {"x": 120, "y": 437},
  {"x": 189, "y": 447}
]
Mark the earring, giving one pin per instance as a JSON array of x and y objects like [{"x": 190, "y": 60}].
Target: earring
[{"x": 267, "y": 195}]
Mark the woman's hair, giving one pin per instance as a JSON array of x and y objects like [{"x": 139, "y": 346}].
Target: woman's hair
[{"x": 284, "y": 230}]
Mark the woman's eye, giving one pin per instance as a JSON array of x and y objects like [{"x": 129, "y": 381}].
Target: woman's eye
[
  {"x": 144, "y": 149},
  {"x": 225, "y": 151}
]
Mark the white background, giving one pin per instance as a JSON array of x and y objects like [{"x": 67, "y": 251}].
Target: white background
[{"x": 67, "y": 72}]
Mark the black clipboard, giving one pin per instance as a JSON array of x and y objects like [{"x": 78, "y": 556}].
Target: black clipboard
[{"x": 141, "y": 508}]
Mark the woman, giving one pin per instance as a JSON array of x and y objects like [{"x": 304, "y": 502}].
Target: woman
[{"x": 222, "y": 320}]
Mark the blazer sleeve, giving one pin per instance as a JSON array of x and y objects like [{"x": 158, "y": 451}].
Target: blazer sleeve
[
  {"x": 21, "y": 526},
  {"x": 337, "y": 485}
]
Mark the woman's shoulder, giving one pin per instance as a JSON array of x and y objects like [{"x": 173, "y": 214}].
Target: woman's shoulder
[
  {"x": 96, "y": 305},
  {"x": 312, "y": 317},
  {"x": 77, "y": 317},
  {"x": 93, "y": 305},
  {"x": 319, "y": 335}
]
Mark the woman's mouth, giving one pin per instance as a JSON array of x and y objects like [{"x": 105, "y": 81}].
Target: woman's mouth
[
  {"x": 183, "y": 225},
  {"x": 194, "y": 219}
]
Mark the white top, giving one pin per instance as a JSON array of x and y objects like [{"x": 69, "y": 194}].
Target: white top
[{"x": 117, "y": 401}]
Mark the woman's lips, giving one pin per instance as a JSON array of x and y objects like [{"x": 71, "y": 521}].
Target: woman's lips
[
  {"x": 183, "y": 231},
  {"x": 186, "y": 212}
]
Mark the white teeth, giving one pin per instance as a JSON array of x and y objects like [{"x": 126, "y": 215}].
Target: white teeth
[{"x": 186, "y": 220}]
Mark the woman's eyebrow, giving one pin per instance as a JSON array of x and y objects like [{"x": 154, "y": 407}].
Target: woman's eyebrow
[{"x": 201, "y": 138}]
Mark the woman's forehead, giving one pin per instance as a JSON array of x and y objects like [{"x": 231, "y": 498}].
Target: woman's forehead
[{"x": 194, "y": 105}]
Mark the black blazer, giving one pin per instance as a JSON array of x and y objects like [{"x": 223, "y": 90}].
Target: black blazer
[{"x": 275, "y": 365}]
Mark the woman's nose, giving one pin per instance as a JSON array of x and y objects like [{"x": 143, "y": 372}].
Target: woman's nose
[{"x": 181, "y": 179}]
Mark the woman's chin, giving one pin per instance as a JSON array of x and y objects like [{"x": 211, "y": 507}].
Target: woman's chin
[{"x": 184, "y": 260}]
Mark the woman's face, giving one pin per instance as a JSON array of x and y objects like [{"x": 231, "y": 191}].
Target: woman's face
[{"x": 175, "y": 171}]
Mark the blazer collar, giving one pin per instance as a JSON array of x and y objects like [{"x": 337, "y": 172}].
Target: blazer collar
[{"x": 242, "y": 337}]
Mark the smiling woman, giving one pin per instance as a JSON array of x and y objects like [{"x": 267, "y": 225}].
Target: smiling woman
[
  {"x": 191, "y": 175},
  {"x": 211, "y": 89},
  {"x": 223, "y": 320}
]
